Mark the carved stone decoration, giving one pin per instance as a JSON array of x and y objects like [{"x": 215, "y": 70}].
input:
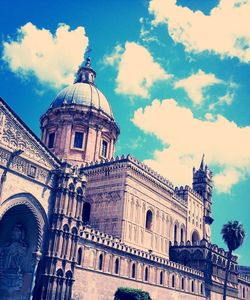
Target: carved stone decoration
[
  {"x": 15, "y": 136},
  {"x": 12, "y": 260}
]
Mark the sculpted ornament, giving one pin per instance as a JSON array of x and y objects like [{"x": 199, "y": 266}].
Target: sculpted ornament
[{"x": 13, "y": 258}]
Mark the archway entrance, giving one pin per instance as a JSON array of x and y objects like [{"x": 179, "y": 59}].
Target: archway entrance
[{"x": 19, "y": 238}]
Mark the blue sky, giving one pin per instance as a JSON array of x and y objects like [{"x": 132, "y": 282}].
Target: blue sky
[{"x": 177, "y": 78}]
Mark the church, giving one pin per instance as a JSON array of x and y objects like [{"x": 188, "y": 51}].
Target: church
[{"x": 78, "y": 223}]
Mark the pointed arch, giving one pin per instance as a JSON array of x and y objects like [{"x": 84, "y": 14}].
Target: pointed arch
[
  {"x": 195, "y": 238},
  {"x": 149, "y": 220},
  {"x": 117, "y": 265},
  {"x": 100, "y": 262},
  {"x": 79, "y": 256},
  {"x": 33, "y": 204}
]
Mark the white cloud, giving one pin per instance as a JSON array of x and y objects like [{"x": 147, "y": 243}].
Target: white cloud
[
  {"x": 115, "y": 57},
  {"x": 225, "y": 99},
  {"x": 225, "y": 31},
  {"x": 53, "y": 59},
  {"x": 196, "y": 84},
  {"x": 137, "y": 70},
  {"x": 226, "y": 145}
]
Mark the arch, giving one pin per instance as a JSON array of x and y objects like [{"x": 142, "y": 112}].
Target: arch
[
  {"x": 35, "y": 207},
  {"x": 197, "y": 255},
  {"x": 149, "y": 220},
  {"x": 74, "y": 231},
  {"x": 182, "y": 283},
  {"x": 66, "y": 228},
  {"x": 68, "y": 288},
  {"x": 201, "y": 289},
  {"x": 117, "y": 266},
  {"x": 59, "y": 283},
  {"x": 146, "y": 274},
  {"x": 161, "y": 278},
  {"x": 71, "y": 187},
  {"x": 185, "y": 257},
  {"x": 86, "y": 212},
  {"x": 173, "y": 281},
  {"x": 100, "y": 262},
  {"x": 175, "y": 232},
  {"x": 182, "y": 234},
  {"x": 192, "y": 286},
  {"x": 79, "y": 256},
  {"x": 195, "y": 238},
  {"x": 133, "y": 270},
  {"x": 79, "y": 191},
  {"x": 21, "y": 237}
]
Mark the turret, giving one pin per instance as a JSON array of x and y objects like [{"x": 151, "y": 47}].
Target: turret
[{"x": 203, "y": 185}]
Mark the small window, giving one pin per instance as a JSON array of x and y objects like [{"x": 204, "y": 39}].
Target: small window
[
  {"x": 161, "y": 278},
  {"x": 133, "y": 271},
  {"x": 146, "y": 274},
  {"x": 78, "y": 140},
  {"x": 86, "y": 212},
  {"x": 104, "y": 151},
  {"x": 182, "y": 235},
  {"x": 175, "y": 233},
  {"x": 51, "y": 140},
  {"x": 79, "y": 256},
  {"x": 182, "y": 284},
  {"x": 173, "y": 281},
  {"x": 201, "y": 288},
  {"x": 100, "y": 262},
  {"x": 117, "y": 266},
  {"x": 192, "y": 286},
  {"x": 149, "y": 219}
]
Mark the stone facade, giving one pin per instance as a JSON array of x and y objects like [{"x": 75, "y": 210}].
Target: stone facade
[{"x": 76, "y": 223}]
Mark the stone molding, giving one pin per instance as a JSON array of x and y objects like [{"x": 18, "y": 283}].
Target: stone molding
[
  {"x": 24, "y": 166},
  {"x": 34, "y": 206},
  {"x": 15, "y": 135}
]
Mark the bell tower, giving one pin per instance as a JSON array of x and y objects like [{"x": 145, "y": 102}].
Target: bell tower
[
  {"x": 203, "y": 185},
  {"x": 79, "y": 125}
]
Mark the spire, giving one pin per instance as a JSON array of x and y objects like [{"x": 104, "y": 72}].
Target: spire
[
  {"x": 202, "y": 163},
  {"x": 85, "y": 73}
]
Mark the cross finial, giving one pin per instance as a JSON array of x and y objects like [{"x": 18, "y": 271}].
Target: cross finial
[
  {"x": 87, "y": 63},
  {"x": 87, "y": 52}
]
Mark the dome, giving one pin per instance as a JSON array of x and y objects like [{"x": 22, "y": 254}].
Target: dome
[{"x": 83, "y": 93}]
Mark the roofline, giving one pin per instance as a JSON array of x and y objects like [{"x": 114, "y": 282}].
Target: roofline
[{"x": 30, "y": 131}]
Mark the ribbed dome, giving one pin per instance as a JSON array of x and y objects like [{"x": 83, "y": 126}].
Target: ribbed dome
[{"x": 83, "y": 93}]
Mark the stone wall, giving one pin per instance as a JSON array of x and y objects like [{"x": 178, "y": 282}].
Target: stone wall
[{"x": 94, "y": 285}]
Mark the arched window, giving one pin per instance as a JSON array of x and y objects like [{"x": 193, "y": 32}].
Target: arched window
[
  {"x": 161, "y": 278},
  {"x": 79, "y": 256},
  {"x": 192, "y": 286},
  {"x": 86, "y": 212},
  {"x": 133, "y": 270},
  {"x": 146, "y": 274},
  {"x": 182, "y": 283},
  {"x": 175, "y": 232},
  {"x": 117, "y": 266},
  {"x": 149, "y": 220},
  {"x": 173, "y": 281},
  {"x": 195, "y": 238},
  {"x": 182, "y": 235},
  {"x": 100, "y": 262},
  {"x": 243, "y": 292},
  {"x": 59, "y": 283},
  {"x": 68, "y": 289},
  {"x": 201, "y": 289}
]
